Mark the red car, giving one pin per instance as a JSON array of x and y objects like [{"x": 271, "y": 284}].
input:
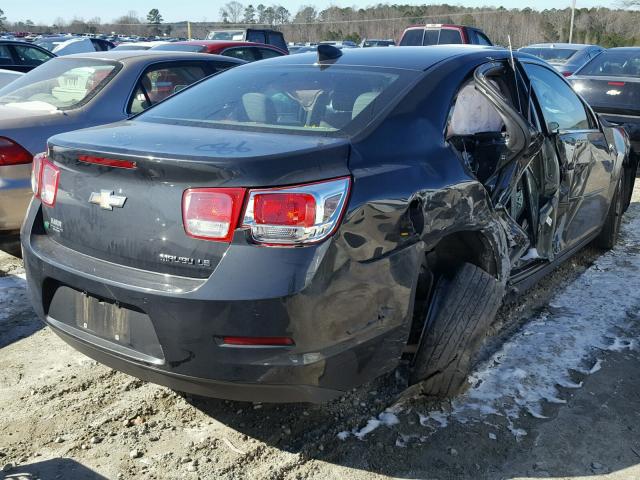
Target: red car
[
  {"x": 247, "y": 51},
  {"x": 442, "y": 34}
]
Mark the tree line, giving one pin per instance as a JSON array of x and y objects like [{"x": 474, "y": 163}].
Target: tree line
[{"x": 604, "y": 26}]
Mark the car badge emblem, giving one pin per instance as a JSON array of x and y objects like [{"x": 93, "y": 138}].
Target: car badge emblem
[
  {"x": 107, "y": 200},
  {"x": 614, "y": 92}
]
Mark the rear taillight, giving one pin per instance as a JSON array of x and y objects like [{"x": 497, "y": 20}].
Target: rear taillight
[
  {"x": 45, "y": 177},
  {"x": 212, "y": 213},
  {"x": 567, "y": 74},
  {"x": 296, "y": 215},
  {"x": 36, "y": 172},
  {"x": 12, "y": 153}
]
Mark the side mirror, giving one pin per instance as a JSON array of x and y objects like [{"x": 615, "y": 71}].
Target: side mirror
[{"x": 554, "y": 127}]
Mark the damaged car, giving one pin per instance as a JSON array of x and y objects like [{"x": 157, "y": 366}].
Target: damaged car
[{"x": 300, "y": 226}]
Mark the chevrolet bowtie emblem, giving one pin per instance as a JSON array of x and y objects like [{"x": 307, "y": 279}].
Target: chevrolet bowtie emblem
[{"x": 107, "y": 200}]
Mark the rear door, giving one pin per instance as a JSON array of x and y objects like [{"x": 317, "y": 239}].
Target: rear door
[{"x": 582, "y": 148}]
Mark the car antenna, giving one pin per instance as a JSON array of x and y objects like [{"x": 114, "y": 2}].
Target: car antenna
[
  {"x": 515, "y": 72},
  {"x": 328, "y": 52}
]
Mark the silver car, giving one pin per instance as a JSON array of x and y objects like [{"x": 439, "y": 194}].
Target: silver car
[
  {"x": 79, "y": 91},
  {"x": 567, "y": 58},
  {"x": 8, "y": 76}
]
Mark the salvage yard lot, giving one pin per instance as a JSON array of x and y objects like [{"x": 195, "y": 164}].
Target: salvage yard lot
[{"x": 558, "y": 400}]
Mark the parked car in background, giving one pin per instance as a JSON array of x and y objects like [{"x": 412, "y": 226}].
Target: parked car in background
[
  {"x": 339, "y": 43},
  {"x": 68, "y": 45},
  {"x": 162, "y": 246},
  {"x": 253, "y": 35},
  {"x": 79, "y": 91},
  {"x": 139, "y": 45},
  {"x": 442, "y": 34},
  {"x": 302, "y": 49},
  {"x": 564, "y": 57},
  {"x": 22, "y": 56},
  {"x": 610, "y": 82},
  {"x": 8, "y": 76},
  {"x": 247, "y": 51},
  {"x": 372, "y": 42}
]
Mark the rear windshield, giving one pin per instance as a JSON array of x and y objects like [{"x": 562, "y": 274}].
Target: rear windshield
[
  {"x": 61, "y": 83},
  {"x": 50, "y": 44},
  {"x": 551, "y": 55},
  {"x": 412, "y": 37},
  {"x": 226, "y": 35},
  {"x": 173, "y": 47},
  {"x": 615, "y": 63},
  {"x": 292, "y": 99}
]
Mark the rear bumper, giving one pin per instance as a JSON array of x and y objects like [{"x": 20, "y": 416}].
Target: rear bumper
[{"x": 349, "y": 321}]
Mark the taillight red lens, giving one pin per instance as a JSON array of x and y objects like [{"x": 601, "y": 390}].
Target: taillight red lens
[
  {"x": 108, "y": 162},
  {"x": 567, "y": 74},
  {"x": 212, "y": 213},
  {"x": 36, "y": 172},
  {"x": 291, "y": 209},
  {"x": 12, "y": 153},
  {"x": 49, "y": 183}
]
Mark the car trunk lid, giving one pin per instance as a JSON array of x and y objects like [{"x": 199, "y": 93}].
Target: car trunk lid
[
  {"x": 610, "y": 94},
  {"x": 133, "y": 216}
]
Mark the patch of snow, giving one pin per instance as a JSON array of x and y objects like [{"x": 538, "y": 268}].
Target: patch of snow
[
  {"x": 592, "y": 314},
  {"x": 532, "y": 254},
  {"x": 387, "y": 418}
]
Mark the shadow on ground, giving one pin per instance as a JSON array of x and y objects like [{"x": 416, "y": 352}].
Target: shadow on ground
[{"x": 54, "y": 469}]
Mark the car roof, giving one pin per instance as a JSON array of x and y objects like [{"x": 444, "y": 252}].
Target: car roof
[
  {"x": 575, "y": 46},
  {"x": 628, "y": 49},
  {"x": 222, "y": 43},
  {"x": 410, "y": 58},
  {"x": 132, "y": 56}
]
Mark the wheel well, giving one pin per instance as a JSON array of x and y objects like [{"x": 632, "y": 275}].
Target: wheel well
[
  {"x": 447, "y": 256},
  {"x": 463, "y": 247}
]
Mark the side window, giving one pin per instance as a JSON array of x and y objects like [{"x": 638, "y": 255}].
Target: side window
[
  {"x": 482, "y": 39},
  {"x": 5, "y": 55},
  {"x": 247, "y": 54},
  {"x": 277, "y": 39},
  {"x": 269, "y": 53},
  {"x": 558, "y": 101},
  {"x": 30, "y": 56},
  {"x": 159, "y": 82},
  {"x": 256, "y": 37},
  {"x": 449, "y": 36},
  {"x": 412, "y": 37}
]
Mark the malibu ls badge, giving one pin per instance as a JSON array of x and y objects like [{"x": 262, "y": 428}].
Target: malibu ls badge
[{"x": 107, "y": 200}]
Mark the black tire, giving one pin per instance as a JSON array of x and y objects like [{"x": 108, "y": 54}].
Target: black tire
[
  {"x": 462, "y": 309},
  {"x": 611, "y": 228},
  {"x": 629, "y": 181}
]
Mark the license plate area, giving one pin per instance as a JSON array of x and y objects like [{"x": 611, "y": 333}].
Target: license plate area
[{"x": 122, "y": 325}]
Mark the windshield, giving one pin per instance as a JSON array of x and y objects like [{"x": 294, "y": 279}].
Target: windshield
[
  {"x": 551, "y": 55},
  {"x": 226, "y": 35},
  {"x": 615, "y": 63},
  {"x": 61, "y": 83},
  {"x": 173, "y": 47},
  {"x": 291, "y": 99}
]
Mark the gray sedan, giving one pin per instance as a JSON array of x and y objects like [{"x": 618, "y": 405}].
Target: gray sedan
[
  {"x": 79, "y": 91},
  {"x": 564, "y": 57}
]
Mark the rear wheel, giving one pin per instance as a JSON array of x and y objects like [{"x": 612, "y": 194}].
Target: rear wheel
[
  {"x": 611, "y": 228},
  {"x": 630, "y": 173},
  {"x": 461, "y": 311}
]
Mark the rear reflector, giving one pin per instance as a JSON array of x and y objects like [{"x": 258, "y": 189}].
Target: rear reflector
[
  {"x": 107, "y": 162},
  {"x": 258, "y": 341},
  {"x": 49, "y": 183},
  {"x": 12, "y": 153},
  {"x": 616, "y": 84},
  {"x": 212, "y": 213}
]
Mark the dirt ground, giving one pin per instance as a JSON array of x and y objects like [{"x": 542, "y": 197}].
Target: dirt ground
[{"x": 64, "y": 416}]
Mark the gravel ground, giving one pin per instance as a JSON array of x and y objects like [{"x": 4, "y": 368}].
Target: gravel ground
[{"x": 558, "y": 397}]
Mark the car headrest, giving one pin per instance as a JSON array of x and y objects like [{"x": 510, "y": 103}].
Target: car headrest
[
  {"x": 259, "y": 108},
  {"x": 363, "y": 102}
]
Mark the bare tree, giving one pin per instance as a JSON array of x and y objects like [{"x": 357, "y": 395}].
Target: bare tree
[{"x": 233, "y": 11}]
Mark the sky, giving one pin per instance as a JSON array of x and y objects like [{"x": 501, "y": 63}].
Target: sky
[{"x": 204, "y": 10}]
